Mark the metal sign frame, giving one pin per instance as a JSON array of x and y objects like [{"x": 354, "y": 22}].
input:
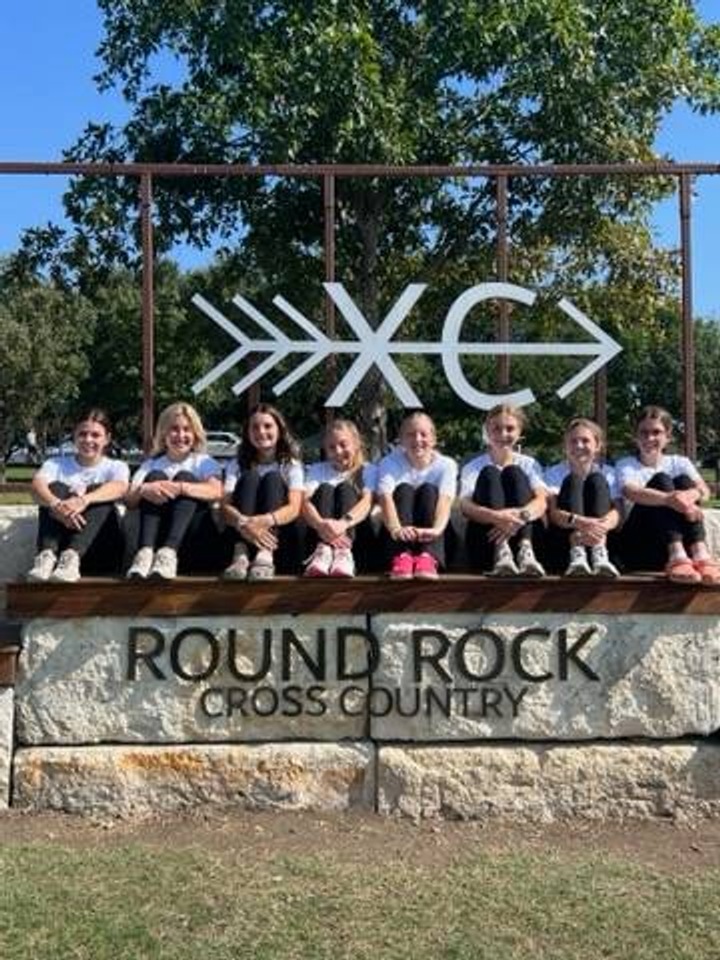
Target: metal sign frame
[{"x": 145, "y": 173}]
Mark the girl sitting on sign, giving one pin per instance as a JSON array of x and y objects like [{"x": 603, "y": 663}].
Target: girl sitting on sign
[
  {"x": 77, "y": 494},
  {"x": 503, "y": 497},
  {"x": 263, "y": 497},
  {"x": 338, "y": 497},
  {"x": 663, "y": 494},
  {"x": 582, "y": 492},
  {"x": 416, "y": 488},
  {"x": 170, "y": 490}
]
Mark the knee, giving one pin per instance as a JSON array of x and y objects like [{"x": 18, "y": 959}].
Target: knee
[
  {"x": 154, "y": 475},
  {"x": 683, "y": 482},
  {"x": 661, "y": 481}
]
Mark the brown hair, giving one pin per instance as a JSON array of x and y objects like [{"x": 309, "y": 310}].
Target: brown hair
[
  {"x": 287, "y": 446},
  {"x": 165, "y": 421},
  {"x": 98, "y": 415},
  {"x": 652, "y": 412}
]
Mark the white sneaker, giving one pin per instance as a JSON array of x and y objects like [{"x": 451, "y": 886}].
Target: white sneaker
[
  {"x": 42, "y": 567},
  {"x": 528, "y": 564},
  {"x": 602, "y": 565},
  {"x": 68, "y": 567},
  {"x": 578, "y": 566},
  {"x": 504, "y": 565},
  {"x": 164, "y": 565},
  {"x": 343, "y": 563},
  {"x": 238, "y": 569},
  {"x": 142, "y": 564},
  {"x": 320, "y": 562}
]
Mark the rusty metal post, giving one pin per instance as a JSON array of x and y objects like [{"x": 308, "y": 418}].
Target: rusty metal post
[
  {"x": 688, "y": 333},
  {"x": 503, "y": 325},
  {"x": 329, "y": 256},
  {"x": 601, "y": 412},
  {"x": 148, "y": 311}
]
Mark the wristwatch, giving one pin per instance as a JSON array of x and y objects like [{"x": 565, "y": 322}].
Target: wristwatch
[{"x": 525, "y": 515}]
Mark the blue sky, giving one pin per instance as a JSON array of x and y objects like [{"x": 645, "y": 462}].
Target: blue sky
[{"x": 46, "y": 67}]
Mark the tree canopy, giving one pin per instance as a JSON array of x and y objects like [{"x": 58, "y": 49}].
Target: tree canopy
[
  {"x": 43, "y": 332},
  {"x": 378, "y": 81}
]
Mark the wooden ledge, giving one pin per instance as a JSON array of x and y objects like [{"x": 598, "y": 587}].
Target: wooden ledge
[
  {"x": 197, "y": 597},
  {"x": 10, "y": 634}
]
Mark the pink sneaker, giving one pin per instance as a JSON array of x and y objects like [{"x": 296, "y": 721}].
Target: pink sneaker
[
  {"x": 402, "y": 567},
  {"x": 319, "y": 563},
  {"x": 426, "y": 567}
]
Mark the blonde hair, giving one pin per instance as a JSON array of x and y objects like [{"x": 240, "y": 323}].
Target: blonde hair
[
  {"x": 595, "y": 429},
  {"x": 335, "y": 426},
  {"x": 418, "y": 415},
  {"x": 165, "y": 422},
  {"x": 507, "y": 410},
  {"x": 504, "y": 410}
]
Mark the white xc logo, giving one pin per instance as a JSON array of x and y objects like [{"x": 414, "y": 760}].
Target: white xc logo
[{"x": 377, "y": 348}]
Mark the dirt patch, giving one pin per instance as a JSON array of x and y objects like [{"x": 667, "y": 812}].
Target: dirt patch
[{"x": 369, "y": 839}]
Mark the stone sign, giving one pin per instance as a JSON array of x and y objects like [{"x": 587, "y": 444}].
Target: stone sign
[{"x": 418, "y": 678}]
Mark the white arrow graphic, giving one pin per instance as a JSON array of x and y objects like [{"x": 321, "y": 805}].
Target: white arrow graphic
[{"x": 375, "y": 347}]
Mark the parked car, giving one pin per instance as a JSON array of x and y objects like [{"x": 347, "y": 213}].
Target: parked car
[
  {"x": 65, "y": 448},
  {"x": 22, "y": 456},
  {"x": 222, "y": 443}
]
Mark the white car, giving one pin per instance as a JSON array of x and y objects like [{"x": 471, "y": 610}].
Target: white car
[{"x": 222, "y": 443}]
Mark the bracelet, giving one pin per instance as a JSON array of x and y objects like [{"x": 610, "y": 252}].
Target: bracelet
[
  {"x": 571, "y": 520},
  {"x": 349, "y": 519},
  {"x": 273, "y": 518}
]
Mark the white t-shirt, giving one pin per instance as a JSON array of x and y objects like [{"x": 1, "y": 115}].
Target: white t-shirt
[
  {"x": 200, "y": 465},
  {"x": 395, "y": 469},
  {"x": 631, "y": 470},
  {"x": 291, "y": 472},
  {"x": 324, "y": 472},
  {"x": 555, "y": 475},
  {"x": 79, "y": 478},
  {"x": 471, "y": 471}
]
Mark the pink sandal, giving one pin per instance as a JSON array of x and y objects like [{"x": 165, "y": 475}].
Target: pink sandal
[
  {"x": 682, "y": 570},
  {"x": 709, "y": 570}
]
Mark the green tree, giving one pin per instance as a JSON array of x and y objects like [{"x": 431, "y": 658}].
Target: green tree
[
  {"x": 43, "y": 334},
  {"x": 377, "y": 81}
]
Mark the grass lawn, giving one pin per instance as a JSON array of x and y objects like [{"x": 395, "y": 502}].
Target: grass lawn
[{"x": 227, "y": 901}]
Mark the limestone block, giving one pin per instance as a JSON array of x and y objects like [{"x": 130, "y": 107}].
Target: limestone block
[
  {"x": 18, "y": 529},
  {"x": 189, "y": 680},
  {"x": 542, "y": 782},
  {"x": 124, "y": 781},
  {"x": 6, "y": 743},
  {"x": 712, "y": 531},
  {"x": 545, "y": 677}
]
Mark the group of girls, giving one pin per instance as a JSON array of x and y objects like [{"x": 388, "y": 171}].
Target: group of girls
[{"x": 273, "y": 511}]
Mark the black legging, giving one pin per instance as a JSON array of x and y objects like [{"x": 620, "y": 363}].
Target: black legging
[
  {"x": 496, "y": 489},
  {"x": 99, "y": 543},
  {"x": 333, "y": 502},
  {"x": 254, "y": 495},
  {"x": 54, "y": 535},
  {"x": 585, "y": 496},
  {"x": 166, "y": 524},
  {"x": 416, "y": 507},
  {"x": 648, "y": 531}
]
